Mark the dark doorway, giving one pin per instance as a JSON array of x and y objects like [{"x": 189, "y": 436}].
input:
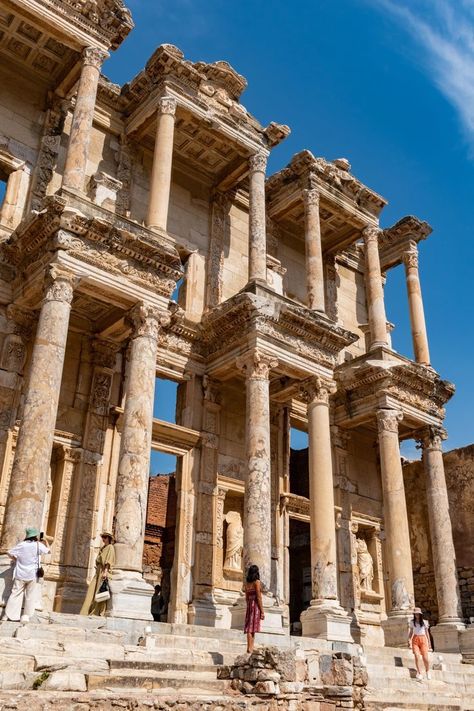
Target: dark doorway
[{"x": 300, "y": 572}]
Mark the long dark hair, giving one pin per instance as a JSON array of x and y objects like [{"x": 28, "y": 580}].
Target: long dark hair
[
  {"x": 420, "y": 615},
  {"x": 253, "y": 574}
]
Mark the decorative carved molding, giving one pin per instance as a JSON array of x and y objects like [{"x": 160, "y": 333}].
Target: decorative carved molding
[
  {"x": 211, "y": 390},
  {"x": 104, "y": 353},
  {"x": 167, "y": 105},
  {"x": 94, "y": 57},
  {"x": 215, "y": 262},
  {"x": 432, "y": 438},
  {"x": 311, "y": 198},
  {"x": 410, "y": 257},
  {"x": 387, "y": 420},
  {"x": 49, "y": 149},
  {"x": 258, "y": 163},
  {"x": 256, "y": 365},
  {"x": 371, "y": 234},
  {"x": 315, "y": 390}
]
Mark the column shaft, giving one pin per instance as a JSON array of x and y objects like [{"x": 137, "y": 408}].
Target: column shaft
[
  {"x": 35, "y": 441},
  {"x": 374, "y": 289},
  {"x": 441, "y": 534},
  {"x": 398, "y": 549},
  {"x": 415, "y": 303},
  {"x": 160, "y": 184},
  {"x": 135, "y": 444},
  {"x": 314, "y": 255},
  {"x": 81, "y": 127},
  {"x": 257, "y": 219},
  {"x": 257, "y": 500},
  {"x": 321, "y": 494}
]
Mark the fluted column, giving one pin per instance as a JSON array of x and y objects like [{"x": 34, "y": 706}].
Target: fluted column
[
  {"x": 135, "y": 444},
  {"x": 398, "y": 548},
  {"x": 81, "y": 127},
  {"x": 325, "y": 617},
  {"x": 257, "y": 220},
  {"x": 257, "y": 499},
  {"x": 374, "y": 289},
  {"x": 31, "y": 465},
  {"x": 160, "y": 184},
  {"x": 314, "y": 255},
  {"x": 441, "y": 533},
  {"x": 415, "y": 304}
]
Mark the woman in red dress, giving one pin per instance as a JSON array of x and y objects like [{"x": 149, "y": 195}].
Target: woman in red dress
[{"x": 254, "y": 613}]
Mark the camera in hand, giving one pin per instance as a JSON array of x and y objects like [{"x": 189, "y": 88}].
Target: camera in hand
[{"x": 41, "y": 535}]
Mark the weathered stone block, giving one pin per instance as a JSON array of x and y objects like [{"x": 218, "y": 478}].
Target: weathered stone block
[
  {"x": 335, "y": 672},
  {"x": 65, "y": 681},
  {"x": 266, "y": 687}
]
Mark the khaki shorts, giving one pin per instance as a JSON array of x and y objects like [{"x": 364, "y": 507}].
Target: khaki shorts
[{"x": 420, "y": 644}]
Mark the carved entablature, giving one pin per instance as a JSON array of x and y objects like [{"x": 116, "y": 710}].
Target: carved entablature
[
  {"x": 308, "y": 334},
  {"x": 117, "y": 247},
  {"x": 401, "y": 239},
  {"x": 108, "y": 21},
  {"x": 214, "y": 87},
  {"x": 311, "y": 172},
  {"x": 416, "y": 389},
  {"x": 294, "y": 504}
]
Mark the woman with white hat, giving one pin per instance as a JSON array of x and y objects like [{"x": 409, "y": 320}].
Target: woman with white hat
[
  {"x": 25, "y": 575},
  {"x": 420, "y": 643},
  {"x": 104, "y": 563}
]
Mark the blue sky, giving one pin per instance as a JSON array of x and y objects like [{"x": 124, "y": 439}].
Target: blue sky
[{"x": 387, "y": 84}]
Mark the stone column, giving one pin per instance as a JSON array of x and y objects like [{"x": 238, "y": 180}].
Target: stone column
[
  {"x": 314, "y": 255},
  {"x": 160, "y": 184},
  {"x": 446, "y": 632},
  {"x": 35, "y": 440},
  {"x": 131, "y": 595},
  {"x": 81, "y": 127},
  {"x": 374, "y": 289},
  {"x": 415, "y": 303},
  {"x": 257, "y": 220},
  {"x": 398, "y": 548},
  {"x": 257, "y": 500},
  {"x": 325, "y": 617}
]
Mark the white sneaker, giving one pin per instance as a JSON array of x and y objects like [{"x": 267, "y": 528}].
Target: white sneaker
[
  {"x": 428, "y": 675},
  {"x": 419, "y": 677}
]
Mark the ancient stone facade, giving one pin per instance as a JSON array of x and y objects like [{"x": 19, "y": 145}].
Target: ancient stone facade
[{"x": 113, "y": 196}]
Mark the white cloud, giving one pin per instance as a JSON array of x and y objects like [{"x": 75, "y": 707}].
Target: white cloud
[{"x": 444, "y": 29}]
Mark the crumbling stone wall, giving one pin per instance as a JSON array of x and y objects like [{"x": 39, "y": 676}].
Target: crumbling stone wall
[{"x": 459, "y": 468}]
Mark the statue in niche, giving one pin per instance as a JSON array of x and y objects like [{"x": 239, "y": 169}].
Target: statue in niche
[
  {"x": 235, "y": 541},
  {"x": 365, "y": 564}
]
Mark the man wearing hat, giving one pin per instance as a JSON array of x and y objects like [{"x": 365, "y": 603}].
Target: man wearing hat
[{"x": 27, "y": 562}]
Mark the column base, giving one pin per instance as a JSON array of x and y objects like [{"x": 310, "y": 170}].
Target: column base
[
  {"x": 213, "y": 609},
  {"x": 6, "y": 578},
  {"x": 395, "y": 629},
  {"x": 275, "y": 621},
  {"x": 466, "y": 644},
  {"x": 326, "y": 621},
  {"x": 130, "y": 596},
  {"x": 446, "y": 636}
]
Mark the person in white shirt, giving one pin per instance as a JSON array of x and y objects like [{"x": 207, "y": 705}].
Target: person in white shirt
[
  {"x": 420, "y": 643},
  {"x": 27, "y": 561}
]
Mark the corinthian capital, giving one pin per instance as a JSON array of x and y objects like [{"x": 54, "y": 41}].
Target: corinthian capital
[
  {"x": 258, "y": 163},
  {"x": 257, "y": 365},
  {"x": 371, "y": 233},
  {"x": 387, "y": 420},
  {"x": 410, "y": 257},
  {"x": 59, "y": 284},
  {"x": 311, "y": 197},
  {"x": 94, "y": 57},
  {"x": 432, "y": 438},
  {"x": 167, "y": 105},
  {"x": 147, "y": 321},
  {"x": 315, "y": 390}
]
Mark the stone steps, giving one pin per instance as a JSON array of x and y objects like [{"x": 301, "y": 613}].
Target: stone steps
[{"x": 194, "y": 682}]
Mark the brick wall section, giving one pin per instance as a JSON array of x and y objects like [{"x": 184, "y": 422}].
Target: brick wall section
[
  {"x": 160, "y": 526},
  {"x": 459, "y": 468}
]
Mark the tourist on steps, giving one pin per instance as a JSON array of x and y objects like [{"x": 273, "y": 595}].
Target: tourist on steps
[
  {"x": 104, "y": 563},
  {"x": 27, "y": 556},
  {"x": 419, "y": 641},
  {"x": 254, "y": 613}
]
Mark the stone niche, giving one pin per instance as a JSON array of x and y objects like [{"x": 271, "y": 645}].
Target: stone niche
[
  {"x": 233, "y": 539},
  {"x": 367, "y": 577}
]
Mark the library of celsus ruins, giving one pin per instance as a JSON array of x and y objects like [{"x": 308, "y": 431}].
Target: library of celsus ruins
[{"x": 142, "y": 240}]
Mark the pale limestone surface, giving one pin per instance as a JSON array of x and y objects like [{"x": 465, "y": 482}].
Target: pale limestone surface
[{"x": 283, "y": 274}]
